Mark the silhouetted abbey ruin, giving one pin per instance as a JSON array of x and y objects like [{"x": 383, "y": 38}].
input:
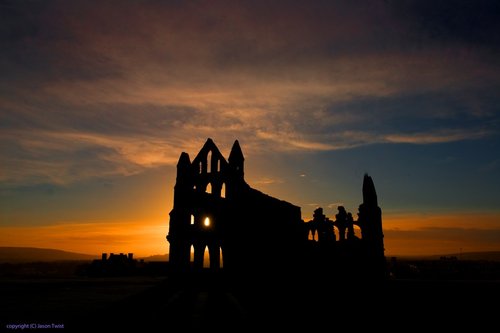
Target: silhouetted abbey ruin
[{"x": 250, "y": 231}]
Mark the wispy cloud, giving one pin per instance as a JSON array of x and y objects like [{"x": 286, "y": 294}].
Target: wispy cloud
[
  {"x": 63, "y": 157},
  {"x": 436, "y": 137},
  {"x": 267, "y": 181},
  {"x": 119, "y": 87},
  {"x": 334, "y": 205}
]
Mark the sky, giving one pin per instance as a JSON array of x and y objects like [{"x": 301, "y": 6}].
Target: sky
[{"x": 99, "y": 98}]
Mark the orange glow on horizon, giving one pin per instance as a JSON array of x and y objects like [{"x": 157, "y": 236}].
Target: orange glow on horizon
[
  {"x": 141, "y": 238},
  {"x": 405, "y": 234},
  {"x": 429, "y": 234}
]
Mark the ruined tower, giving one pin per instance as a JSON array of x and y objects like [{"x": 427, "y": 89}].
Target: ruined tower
[
  {"x": 198, "y": 215},
  {"x": 370, "y": 223},
  {"x": 215, "y": 209}
]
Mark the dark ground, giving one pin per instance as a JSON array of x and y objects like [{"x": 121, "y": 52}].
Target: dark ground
[{"x": 216, "y": 303}]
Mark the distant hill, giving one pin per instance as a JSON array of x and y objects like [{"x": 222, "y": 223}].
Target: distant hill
[
  {"x": 489, "y": 256},
  {"x": 157, "y": 257},
  {"x": 33, "y": 254}
]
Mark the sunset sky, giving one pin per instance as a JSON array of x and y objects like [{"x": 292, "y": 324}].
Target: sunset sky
[{"x": 99, "y": 98}]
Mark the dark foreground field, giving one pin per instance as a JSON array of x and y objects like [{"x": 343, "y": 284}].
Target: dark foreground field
[{"x": 206, "y": 303}]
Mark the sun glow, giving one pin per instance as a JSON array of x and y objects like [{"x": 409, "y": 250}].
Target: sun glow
[{"x": 143, "y": 238}]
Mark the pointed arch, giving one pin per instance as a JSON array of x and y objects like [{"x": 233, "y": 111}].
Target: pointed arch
[
  {"x": 215, "y": 254},
  {"x": 191, "y": 255},
  {"x": 209, "y": 161},
  {"x": 206, "y": 258},
  {"x": 223, "y": 191},
  {"x": 209, "y": 188}
]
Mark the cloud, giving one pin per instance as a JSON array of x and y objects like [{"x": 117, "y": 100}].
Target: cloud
[
  {"x": 267, "y": 181},
  {"x": 64, "y": 157},
  {"x": 335, "y": 205},
  {"x": 290, "y": 140},
  {"x": 117, "y": 87},
  {"x": 435, "y": 137}
]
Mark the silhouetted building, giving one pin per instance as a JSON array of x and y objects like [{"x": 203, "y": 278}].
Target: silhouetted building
[
  {"x": 370, "y": 222},
  {"x": 113, "y": 265},
  {"x": 215, "y": 209},
  {"x": 244, "y": 230},
  {"x": 123, "y": 265}
]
